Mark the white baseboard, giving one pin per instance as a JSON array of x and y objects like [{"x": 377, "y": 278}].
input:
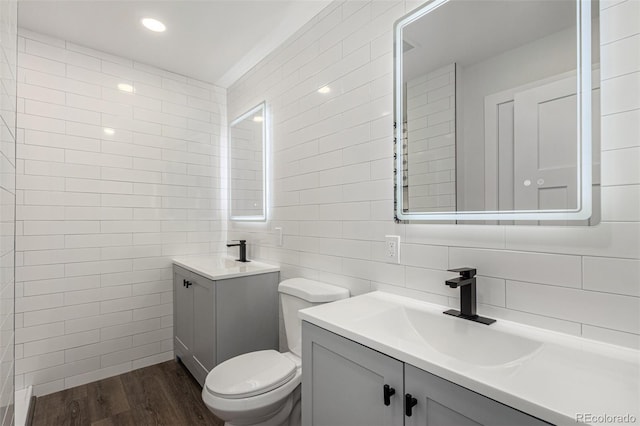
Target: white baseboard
[{"x": 22, "y": 401}]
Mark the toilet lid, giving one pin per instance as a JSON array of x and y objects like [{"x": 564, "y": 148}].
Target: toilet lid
[{"x": 250, "y": 374}]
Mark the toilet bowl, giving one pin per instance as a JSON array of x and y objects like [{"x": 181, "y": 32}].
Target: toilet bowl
[{"x": 262, "y": 388}]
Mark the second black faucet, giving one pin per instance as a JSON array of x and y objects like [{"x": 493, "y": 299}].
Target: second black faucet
[{"x": 243, "y": 250}]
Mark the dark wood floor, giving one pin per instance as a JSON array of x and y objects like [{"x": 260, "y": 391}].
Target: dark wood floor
[{"x": 163, "y": 394}]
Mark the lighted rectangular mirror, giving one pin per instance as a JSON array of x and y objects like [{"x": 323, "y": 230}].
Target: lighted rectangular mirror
[
  {"x": 496, "y": 109},
  {"x": 247, "y": 165}
]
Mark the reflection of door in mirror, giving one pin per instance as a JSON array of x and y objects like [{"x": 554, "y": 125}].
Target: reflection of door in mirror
[{"x": 537, "y": 173}]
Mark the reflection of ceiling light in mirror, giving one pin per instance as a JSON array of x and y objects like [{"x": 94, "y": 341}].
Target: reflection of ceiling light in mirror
[
  {"x": 153, "y": 25},
  {"x": 258, "y": 119},
  {"x": 324, "y": 89},
  {"x": 109, "y": 131},
  {"x": 125, "y": 87}
]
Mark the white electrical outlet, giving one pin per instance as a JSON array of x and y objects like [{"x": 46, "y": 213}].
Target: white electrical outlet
[{"x": 392, "y": 248}]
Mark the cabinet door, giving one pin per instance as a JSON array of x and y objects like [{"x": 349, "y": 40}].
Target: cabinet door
[
  {"x": 182, "y": 314},
  {"x": 343, "y": 382},
  {"x": 443, "y": 403},
  {"x": 204, "y": 330}
]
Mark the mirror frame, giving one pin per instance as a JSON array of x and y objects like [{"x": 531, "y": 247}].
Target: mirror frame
[
  {"x": 262, "y": 108},
  {"x": 584, "y": 178}
]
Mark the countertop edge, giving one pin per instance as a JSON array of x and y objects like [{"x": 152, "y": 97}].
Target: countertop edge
[{"x": 265, "y": 268}]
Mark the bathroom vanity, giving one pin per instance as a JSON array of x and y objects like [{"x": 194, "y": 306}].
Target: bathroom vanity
[
  {"x": 383, "y": 359},
  {"x": 222, "y": 308},
  {"x": 341, "y": 367}
]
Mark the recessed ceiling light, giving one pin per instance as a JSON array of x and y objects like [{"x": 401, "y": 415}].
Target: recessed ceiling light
[
  {"x": 154, "y": 25},
  {"x": 125, "y": 87},
  {"x": 258, "y": 119},
  {"x": 324, "y": 89},
  {"x": 109, "y": 131}
]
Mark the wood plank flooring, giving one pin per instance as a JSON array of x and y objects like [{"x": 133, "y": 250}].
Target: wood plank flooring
[{"x": 163, "y": 394}]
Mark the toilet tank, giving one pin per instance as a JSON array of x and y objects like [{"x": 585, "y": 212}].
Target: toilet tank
[{"x": 301, "y": 293}]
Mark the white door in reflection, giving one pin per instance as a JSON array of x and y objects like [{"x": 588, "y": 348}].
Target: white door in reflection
[{"x": 539, "y": 171}]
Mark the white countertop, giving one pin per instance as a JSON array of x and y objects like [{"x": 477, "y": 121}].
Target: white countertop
[
  {"x": 220, "y": 268},
  {"x": 548, "y": 375}
]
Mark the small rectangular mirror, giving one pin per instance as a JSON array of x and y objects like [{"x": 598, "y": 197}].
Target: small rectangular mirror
[
  {"x": 496, "y": 108},
  {"x": 247, "y": 165}
]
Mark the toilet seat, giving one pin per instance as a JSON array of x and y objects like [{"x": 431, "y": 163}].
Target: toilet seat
[
  {"x": 250, "y": 374},
  {"x": 254, "y": 407}
]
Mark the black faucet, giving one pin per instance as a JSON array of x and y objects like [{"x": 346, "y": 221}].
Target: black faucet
[
  {"x": 243, "y": 250},
  {"x": 467, "y": 283}
]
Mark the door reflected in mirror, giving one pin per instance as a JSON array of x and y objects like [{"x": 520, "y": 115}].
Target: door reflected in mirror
[
  {"x": 497, "y": 110},
  {"x": 247, "y": 165}
]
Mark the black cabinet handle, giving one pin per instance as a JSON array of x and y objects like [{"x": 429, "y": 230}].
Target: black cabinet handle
[
  {"x": 409, "y": 403},
  {"x": 184, "y": 283},
  {"x": 188, "y": 283},
  {"x": 387, "y": 392}
]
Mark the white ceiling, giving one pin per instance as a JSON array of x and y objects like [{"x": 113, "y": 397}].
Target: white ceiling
[
  {"x": 211, "y": 40},
  {"x": 466, "y": 32}
]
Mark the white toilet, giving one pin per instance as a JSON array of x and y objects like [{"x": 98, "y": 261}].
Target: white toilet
[{"x": 263, "y": 388}]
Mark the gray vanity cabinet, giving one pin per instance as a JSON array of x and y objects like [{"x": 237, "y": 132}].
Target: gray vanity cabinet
[
  {"x": 182, "y": 312},
  {"x": 194, "y": 322},
  {"x": 343, "y": 384},
  {"x": 443, "y": 403},
  {"x": 215, "y": 320}
]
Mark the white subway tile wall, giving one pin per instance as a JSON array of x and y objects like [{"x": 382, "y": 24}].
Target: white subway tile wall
[
  {"x": 110, "y": 186},
  {"x": 8, "y": 78},
  {"x": 332, "y": 169},
  {"x": 431, "y": 150}
]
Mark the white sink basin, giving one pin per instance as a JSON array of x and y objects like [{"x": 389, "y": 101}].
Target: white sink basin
[
  {"x": 476, "y": 344},
  {"x": 549, "y": 375}
]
